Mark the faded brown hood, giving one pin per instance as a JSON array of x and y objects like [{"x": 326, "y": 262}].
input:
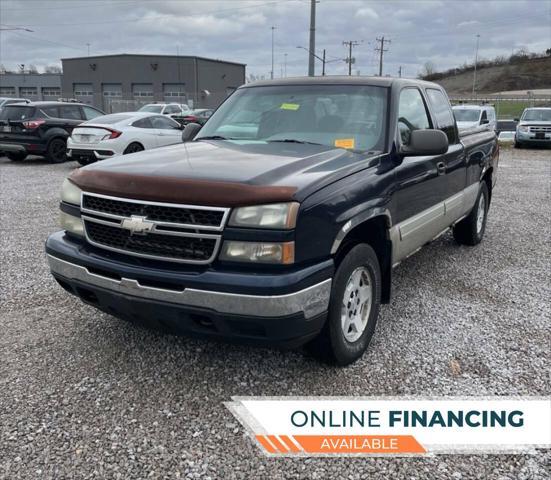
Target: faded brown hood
[{"x": 178, "y": 190}]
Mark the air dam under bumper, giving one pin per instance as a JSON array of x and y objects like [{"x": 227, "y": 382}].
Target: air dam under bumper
[{"x": 286, "y": 320}]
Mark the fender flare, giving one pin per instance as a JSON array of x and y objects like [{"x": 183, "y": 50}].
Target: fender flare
[{"x": 358, "y": 219}]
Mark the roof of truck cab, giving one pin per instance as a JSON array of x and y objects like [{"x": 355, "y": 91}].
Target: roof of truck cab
[{"x": 341, "y": 80}]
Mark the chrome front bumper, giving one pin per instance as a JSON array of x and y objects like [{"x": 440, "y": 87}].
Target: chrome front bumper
[{"x": 310, "y": 301}]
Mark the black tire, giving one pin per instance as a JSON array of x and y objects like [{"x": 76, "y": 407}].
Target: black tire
[
  {"x": 16, "y": 156},
  {"x": 331, "y": 345},
  {"x": 57, "y": 150},
  {"x": 133, "y": 148},
  {"x": 517, "y": 144},
  {"x": 85, "y": 161},
  {"x": 469, "y": 231}
]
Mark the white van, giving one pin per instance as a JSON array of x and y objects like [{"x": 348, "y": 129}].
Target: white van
[{"x": 472, "y": 116}]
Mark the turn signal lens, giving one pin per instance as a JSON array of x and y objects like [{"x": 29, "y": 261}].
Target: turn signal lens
[
  {"x": 275, "y": 253},
  {"x": 71, "y": 224}
]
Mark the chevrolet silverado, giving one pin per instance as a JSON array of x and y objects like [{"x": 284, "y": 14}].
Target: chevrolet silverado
[{"x": 281, "y": 219}]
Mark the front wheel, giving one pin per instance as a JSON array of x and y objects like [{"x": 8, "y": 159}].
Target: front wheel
[
  {"x": 353, "y": 308},
  {"x": 470, "y": 230}
]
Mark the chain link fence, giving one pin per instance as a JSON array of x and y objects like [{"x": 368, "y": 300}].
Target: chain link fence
[{"x": 508, "y": 107}]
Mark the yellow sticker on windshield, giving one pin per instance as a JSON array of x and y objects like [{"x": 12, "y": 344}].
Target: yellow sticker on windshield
[
  {"x": 289, "y": 106},
  {"x": 344, "y": 142}
]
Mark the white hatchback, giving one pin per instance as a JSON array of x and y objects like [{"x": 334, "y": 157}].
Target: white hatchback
[{"x": 121, "y": 134}]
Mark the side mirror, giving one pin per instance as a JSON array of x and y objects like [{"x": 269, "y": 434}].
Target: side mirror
[
  {"x": 426, "y": 142},
  {"x": 516, "y": 119},
  {"x": 484, "y": 121},
  {"x": 190, "y": 131}
]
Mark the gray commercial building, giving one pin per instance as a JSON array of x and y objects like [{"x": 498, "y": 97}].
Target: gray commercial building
[
  {"x": 127, "y": 81},
  {"x": 34, "y": 86}
]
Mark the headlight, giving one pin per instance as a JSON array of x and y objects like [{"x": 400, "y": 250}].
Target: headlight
[
  {"x": 523, "y": 129},
  {"x": 276, "y": 215},
  {"x": 71, "y": 224},
  {"x": 70, "y": 193},
  {"x": 264, "y": 252}
]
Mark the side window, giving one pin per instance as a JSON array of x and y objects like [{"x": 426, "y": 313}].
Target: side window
[
  {"x": 71, "y": 112},
  {"x": 484, "y": 117},
  {"x": 442, "y": 113},
  {"x": 90, "y": 113},
  {"x": 171, "y": 109},
  {"x": 412, "y": 114},
  {"x": 164, "y": 123},
  {"x": 50, "y": 112},
  {"x": 143, "y": 123}
]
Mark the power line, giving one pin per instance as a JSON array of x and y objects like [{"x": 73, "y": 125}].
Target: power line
[
  {"x": 350, "y": 60},
  {"x": 381, "y": 51}
]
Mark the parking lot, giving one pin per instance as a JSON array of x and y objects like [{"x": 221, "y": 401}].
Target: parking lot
[{"x": 83, "y": 395}]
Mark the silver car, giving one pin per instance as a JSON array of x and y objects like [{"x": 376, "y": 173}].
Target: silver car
[{"x": 534, "y": 127}]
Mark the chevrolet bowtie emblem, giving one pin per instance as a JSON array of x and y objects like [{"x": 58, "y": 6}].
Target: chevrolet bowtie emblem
[{"x": 137, "y": 225}]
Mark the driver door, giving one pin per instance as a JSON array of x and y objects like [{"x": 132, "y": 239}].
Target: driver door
[{"x": 420, "y": 181}]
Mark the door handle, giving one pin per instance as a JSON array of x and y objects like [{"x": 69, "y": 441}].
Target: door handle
[{"x": 441, "y": 168}]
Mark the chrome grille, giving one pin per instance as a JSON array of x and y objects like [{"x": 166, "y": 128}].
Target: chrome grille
[
  {"x": 540, "y": 129},
  {"x": 162, "y": 231}
]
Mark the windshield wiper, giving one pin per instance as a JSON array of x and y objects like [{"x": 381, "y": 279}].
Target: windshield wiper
[
  {"x": 214, "y": 137},
  {"x": 292, "y": 140}
]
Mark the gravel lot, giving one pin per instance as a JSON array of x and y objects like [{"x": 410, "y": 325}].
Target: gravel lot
[{"x": 83, "y": 395}]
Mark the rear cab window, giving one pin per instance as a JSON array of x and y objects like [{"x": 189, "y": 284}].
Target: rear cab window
[{"x": 443, "y": 114}]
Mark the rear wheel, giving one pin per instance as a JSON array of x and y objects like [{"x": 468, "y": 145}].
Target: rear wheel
[
  {"x": 133, "y": 148},
  {"x": 16, "y": 156},
  {"x": 57, "y": 150},
  {"x": 353, "y": 308},
  {"x": 470, "y": 230}
]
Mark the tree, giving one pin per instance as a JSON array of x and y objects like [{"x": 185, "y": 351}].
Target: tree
[
  {"x": 548, "y": 52},
  {"x": 428, "y": 69},
  {"x": 32, "y": 69},
  {"x": 52, "y": 69}
]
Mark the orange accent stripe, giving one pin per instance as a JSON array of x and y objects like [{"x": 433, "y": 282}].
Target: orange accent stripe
[
  {"x": 262, "y": 440},
  {"x": 289, "y": 443},
  {"x": 277, "y": 443}
]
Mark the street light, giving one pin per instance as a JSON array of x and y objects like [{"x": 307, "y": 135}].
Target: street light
[{"x": 475, "y": 65}]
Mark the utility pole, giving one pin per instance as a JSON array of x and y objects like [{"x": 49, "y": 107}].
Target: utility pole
[
  {"x": 381, "y": 51},
  {"x": 311, "y": 65},
  {"x": 350, "y": 60},
  {"x": 285, "y": 64},
  {"x": 400, "y": 71},
  {"x": 323, "y": 64},
  {"x": 475, "y": 64},
  {"x": 272, "y": 71}
]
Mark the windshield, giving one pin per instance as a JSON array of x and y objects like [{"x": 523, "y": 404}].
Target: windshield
[
  {"x": 12, "y": 112},
  {"x": 466, "y": 115},
  {"x": 535, "y": 115},
  {"x": 346, "y": 116},
  {"x": 151, "y": 108}
]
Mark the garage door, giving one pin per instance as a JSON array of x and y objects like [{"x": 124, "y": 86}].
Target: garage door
[
  {"x": 51, "y": 93},
  {"x": 84, "y": 92},
  {"x": 174, "y": 93}
]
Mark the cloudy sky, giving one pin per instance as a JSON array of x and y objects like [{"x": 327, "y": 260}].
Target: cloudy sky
[{"x": 440, "y": 31}]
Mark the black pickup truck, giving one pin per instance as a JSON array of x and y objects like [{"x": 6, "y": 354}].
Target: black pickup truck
[{"x": 281, "y": 221}]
